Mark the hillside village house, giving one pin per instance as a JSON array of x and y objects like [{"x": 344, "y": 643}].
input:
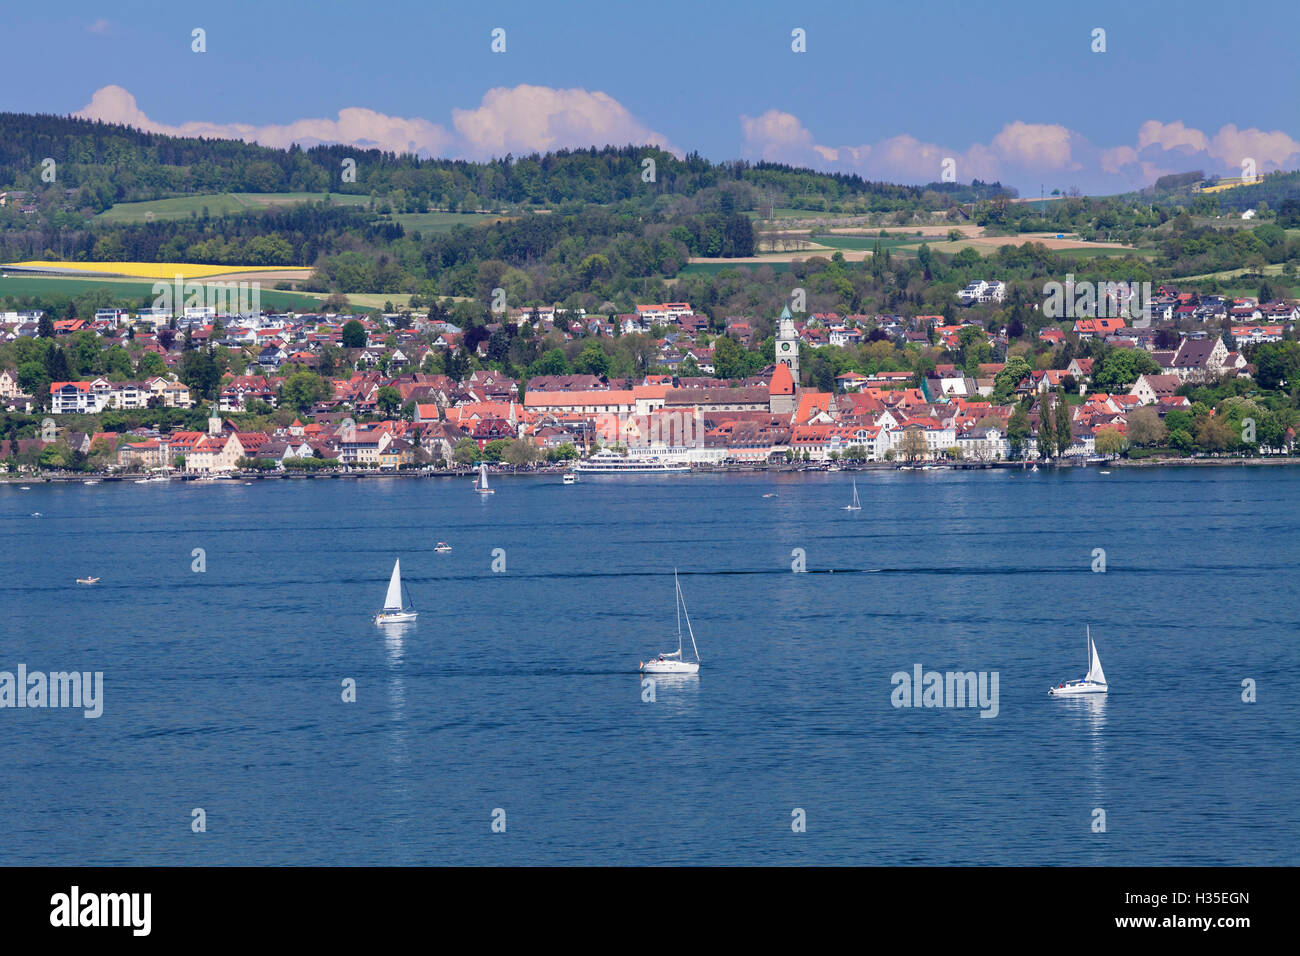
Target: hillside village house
[
  {"x": 364, "y": 446},
  {"x": 1200, "y": 360},
  {"x": 1150, "y": 389},
  {"x": 982, "y": 290},
  {"x": 984, "y": 444},
  {"x": 11, "y": 395},
  {"x": 239, "y": 391},
  {"x": 99, "y": 394}
]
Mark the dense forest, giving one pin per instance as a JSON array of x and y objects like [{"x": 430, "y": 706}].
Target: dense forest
[{"x": 105, "y": 163}]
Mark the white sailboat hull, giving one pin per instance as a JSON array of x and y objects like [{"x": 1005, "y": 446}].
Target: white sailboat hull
[
  {"x": 670, "y": 667},
  {"x": 1094, "y": 682},
  {"x": 672, "y": 662},
  {"x": 396, "y": 617},
  {"x": 395, "y": 610},
  {"x": 1076, "y": 687}
]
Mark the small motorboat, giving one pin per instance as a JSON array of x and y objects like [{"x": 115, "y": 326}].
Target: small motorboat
[
  {"x": 87, "y": 580},
  {"x": 570, "y": 478},
  {"x": 770, "y": 494},
  {"x": 36, "y": 514},
  {"x": 1103, "y": 472},
  {"x": 442, "y": 547}
]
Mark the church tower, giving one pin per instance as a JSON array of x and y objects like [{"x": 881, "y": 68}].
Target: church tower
[{"x": 787, "y": 344}]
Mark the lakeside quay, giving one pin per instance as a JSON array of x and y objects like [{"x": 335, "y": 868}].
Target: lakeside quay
[{"x": 741, "y": 469}]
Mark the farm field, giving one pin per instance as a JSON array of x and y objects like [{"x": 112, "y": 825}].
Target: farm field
[
  {"x": 430, "y": 222},
  {"x": 33, "y": 286},
  {"x": 784, "y": 212},
  {"x": 714, "y": 266},
  {"x": 138, "y": 270},
  {"x": 867, "y": 243},
  {"x": 942, "y": 229},
  {"x": 217, "y": 204},
  {"x": 1270, "y": 269}
]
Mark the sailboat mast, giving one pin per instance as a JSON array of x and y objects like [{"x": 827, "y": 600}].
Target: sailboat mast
[{"x": 677, "y": 603}]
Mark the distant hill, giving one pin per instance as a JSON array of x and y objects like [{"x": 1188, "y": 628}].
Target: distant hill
[
  {"x": 106, "y": 164},
  {"x": 1276, "y": 189}
]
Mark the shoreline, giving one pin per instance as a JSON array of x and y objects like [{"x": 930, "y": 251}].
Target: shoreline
[{"x": 362, "y": 474}]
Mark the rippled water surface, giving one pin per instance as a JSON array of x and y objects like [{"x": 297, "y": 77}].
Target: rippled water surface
[{"x": 518, "y": 690}]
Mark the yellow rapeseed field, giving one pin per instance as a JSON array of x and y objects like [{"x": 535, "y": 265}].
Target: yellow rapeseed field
[{"x": 142, "y": 270}]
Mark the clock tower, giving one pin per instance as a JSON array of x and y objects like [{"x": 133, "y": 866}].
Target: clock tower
[{"x": 787, "y": 344}]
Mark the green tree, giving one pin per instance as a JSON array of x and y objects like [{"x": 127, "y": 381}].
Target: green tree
[
  {"x": 521, "y": 451},
  {"x": 1064, "y": 438},
  {"x": 354, "y": 335},
  {"x": 389, "y": 400},
  {"x": 1213, "y": 434},
  {"x": 465, "y": 451},
  {"x": 1277, "y": 363},
  {"x": 1011, "y": 375},
  {"x": 592, "y": 360},
  {"x": 495, "y": 449},
  {"x": 302, "y": 390},
  {"x": 1046, "y": 429},
  {"x": 1145, "y": 427},
  {"x": 1120, "y": 368},
  {"x": 200, "y": 372},
  {"x": 1018, "y": 432},
  {"x": 1109, "y": 442},
  {"x": 35, "y": 381}
]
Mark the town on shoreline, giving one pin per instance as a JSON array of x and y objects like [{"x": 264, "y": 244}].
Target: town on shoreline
[{"x": 292, "y": 394}]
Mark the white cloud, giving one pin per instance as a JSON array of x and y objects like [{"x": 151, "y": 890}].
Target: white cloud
[
  {"x": 1023, "y": 152},
  {"x": 1270, "y": 150},
  {"x": 524, "y": 119},
  {"x": 1035, "y": 145},
  {"x": 521, "y": 119},
  {"x": 100, "y": 26},
  {"x": 1170, "y": 136},
  {"x": 779, "y": 137}
]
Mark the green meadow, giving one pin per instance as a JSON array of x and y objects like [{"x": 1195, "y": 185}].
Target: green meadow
[
  {"x": 217, "y": 204},
  {"x": 428, "y": 222},
  {"x": 133, "y": 290}
]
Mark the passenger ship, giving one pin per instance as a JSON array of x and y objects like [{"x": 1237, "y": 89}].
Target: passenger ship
[{"x": 606, "y": 462}]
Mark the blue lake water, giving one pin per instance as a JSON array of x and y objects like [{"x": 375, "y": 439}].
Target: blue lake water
[{"x": 518, "y": 690}]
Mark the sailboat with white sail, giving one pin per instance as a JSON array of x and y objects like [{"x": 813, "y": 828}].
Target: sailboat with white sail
[
  {"x": 1093, "y": 683},
  {"x": 671, "y": 662},
  {"x": 856, "y": 505},
  {"x": 396, "y": 611},
  {"x": 481, "y": 482}
]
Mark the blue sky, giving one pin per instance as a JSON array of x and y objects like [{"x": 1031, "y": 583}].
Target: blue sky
[{"x": 1007, "y": 90}]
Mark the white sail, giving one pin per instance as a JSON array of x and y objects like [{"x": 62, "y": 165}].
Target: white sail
[
  {"x": 690, "y": 630},
  {"x": 857, "y": 505},
  {"x": 394, "y": 600},
  {"x": 1095, "y": 672},
  {"x": 482, "y": 477}
]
